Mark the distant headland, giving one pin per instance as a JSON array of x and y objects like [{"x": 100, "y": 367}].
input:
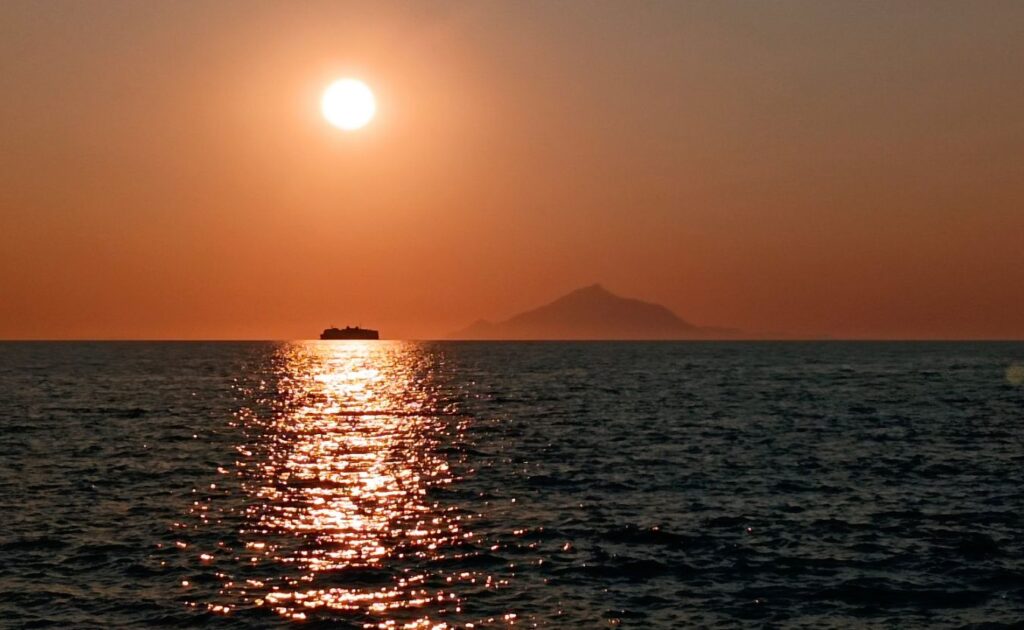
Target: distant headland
[
  {"x": 593, "y": 312},
  {"x": 349, "y": 332}
]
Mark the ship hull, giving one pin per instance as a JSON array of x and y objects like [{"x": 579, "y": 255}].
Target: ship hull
[{"x": 333, "y": 334}]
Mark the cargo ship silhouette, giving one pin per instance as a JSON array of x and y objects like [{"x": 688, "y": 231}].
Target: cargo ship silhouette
[{"x": 349, "y": 333}]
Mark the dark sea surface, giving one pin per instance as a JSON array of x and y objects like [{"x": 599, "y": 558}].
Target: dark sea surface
[{"x": 578, "y": 485}]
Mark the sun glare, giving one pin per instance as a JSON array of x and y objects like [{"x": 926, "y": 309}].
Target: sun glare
[{"x": 348, "y": 104}]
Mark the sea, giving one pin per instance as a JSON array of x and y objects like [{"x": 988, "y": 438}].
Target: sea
[{"x": 490, "y": 485}]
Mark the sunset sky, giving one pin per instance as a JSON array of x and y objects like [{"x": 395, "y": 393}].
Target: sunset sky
[{"x": 854, "y": 169}]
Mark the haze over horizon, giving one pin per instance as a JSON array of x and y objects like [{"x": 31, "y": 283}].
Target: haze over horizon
[{"x": 812, "y": 168}]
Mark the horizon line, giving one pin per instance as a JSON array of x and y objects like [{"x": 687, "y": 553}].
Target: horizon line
[{"x": 552, "y": 340}]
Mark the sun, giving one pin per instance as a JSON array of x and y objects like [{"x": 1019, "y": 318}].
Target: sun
[{"x": 348, "y": 104}]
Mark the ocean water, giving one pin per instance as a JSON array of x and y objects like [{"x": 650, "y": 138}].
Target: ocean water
[{"x": 582, "y": 485}]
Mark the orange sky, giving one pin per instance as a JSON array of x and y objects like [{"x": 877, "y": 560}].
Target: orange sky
[{"x": 845, "y": 168}]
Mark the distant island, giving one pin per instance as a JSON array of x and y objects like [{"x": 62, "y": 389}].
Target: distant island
[
  {"x": 593, "y": 312},
  {"x": 349, "y": 332}
]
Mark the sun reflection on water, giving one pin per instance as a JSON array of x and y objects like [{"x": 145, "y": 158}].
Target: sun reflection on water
[{"x": 337, "y": 478}]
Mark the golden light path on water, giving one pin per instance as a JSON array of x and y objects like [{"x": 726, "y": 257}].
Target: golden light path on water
[{"x": 339, "y": 521}]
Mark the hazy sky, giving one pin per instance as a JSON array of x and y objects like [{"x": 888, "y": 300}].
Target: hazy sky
[{"x": 850, "y": 168}]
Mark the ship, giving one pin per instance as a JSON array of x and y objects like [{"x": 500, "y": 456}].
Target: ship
[{"x": 349, "y": 332}]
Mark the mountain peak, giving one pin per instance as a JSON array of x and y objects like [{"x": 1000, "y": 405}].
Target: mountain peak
[
  {"x": 590, "y": 312},
  {"x": 593, "y": 289}
]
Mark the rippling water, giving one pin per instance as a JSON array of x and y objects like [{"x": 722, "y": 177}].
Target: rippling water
[{"x": 409, "y": 485}]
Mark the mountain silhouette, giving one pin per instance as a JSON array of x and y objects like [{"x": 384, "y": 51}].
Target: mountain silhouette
[{"x": 593, "y": 312}]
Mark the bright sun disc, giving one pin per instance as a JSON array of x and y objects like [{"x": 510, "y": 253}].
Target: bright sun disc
[{"x": 348, "y": 104}]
